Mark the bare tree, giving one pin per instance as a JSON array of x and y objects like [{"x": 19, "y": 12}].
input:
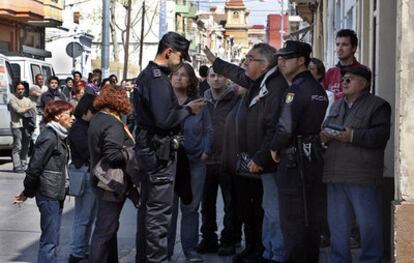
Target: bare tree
[
  {"x": 113, "y": 33},
  {"x": 122, "y": 26}
]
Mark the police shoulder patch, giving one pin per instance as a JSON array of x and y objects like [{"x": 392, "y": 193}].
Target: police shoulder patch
[
  {"x": 156, "y": 73},
  {"x": 289, "y": 97}
]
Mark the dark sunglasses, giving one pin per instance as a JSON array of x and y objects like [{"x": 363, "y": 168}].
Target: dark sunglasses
[
  {"x": 288, "y": 56},
  {"x": 347, "y": 80}
]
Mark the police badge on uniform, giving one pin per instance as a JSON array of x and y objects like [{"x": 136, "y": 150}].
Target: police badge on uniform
[
  {"x": 289, "y": 97},
  {"x": 156, "y": 72}
]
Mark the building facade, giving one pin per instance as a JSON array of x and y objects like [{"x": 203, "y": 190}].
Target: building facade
[
  {"x": 236, "y": 29},
  {"x": 257, "y": 34},
  {"x": 23, "y": 23},
  {"x": 277, "y": 27}
]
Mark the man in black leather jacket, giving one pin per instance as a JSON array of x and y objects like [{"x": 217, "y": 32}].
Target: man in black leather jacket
[{"x": 253, "y": 123}]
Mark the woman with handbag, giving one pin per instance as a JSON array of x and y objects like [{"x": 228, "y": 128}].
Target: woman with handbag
[
  {"x": 79, "y": 180},
  {"x": 46, "y": 176},
  {"x": 198, "y": 135},
  {"x": 107, "y": 136}
]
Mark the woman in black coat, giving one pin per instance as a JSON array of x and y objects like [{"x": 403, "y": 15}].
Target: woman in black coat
[
  {"x": 107, "y": 136},
  {"x": 46, "y": 176}
]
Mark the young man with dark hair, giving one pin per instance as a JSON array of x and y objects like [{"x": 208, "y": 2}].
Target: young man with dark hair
[
  {"x": 67, "y": 88},
  {"x": 159, "y": 118},
  {"x": 346, "y": 46},
  {"x": 77, "y": 76},
  {"x": 52, "y": 93},
  {"x": 221, "y": 99},
  {"x": 203, "y": 72}
]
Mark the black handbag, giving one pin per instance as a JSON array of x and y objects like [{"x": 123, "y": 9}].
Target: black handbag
[{"x": 243, "y": 158}]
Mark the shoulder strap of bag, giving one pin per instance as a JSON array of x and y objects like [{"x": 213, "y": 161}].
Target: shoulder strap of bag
[{"x": 126, "y": 129}]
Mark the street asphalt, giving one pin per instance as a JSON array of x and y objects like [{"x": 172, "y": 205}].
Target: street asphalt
[{"x": 20, "y": 227}]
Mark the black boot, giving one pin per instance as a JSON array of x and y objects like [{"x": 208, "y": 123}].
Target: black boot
[
  {"x": 247, "y": 251},
  {"x": 255, "y": 256}
]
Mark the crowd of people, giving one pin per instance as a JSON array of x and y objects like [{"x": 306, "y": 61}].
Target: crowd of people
[{"x": 297, "y": 153}]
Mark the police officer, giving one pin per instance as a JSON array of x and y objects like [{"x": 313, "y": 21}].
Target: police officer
[
  {"x": 295, "y": 146},
  {"x": 158, "y": 118}
]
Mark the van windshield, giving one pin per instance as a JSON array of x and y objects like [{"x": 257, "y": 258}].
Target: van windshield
[{"x": 5, "y": 81}]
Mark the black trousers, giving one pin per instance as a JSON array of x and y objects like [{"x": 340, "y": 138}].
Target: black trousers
[
  {"x": 104, "y": 244},
  {"x": 249, "y": 194},
  {"x": 231, "y": 232},
  {"x": 154, "y": 214},
  {"x": 301, "y": 238}
]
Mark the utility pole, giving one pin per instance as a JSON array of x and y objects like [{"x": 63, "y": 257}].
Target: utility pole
[
  {"x": 142, "y": 34},
  {"x": 105, "y": 39},
  {"x": 126, "y": 46},
  {"x": 163, "y": 18},
  {"x": 282, "y": 24}
]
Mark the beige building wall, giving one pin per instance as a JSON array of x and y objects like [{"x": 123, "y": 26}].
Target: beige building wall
[{"x": 404, "y": 147}]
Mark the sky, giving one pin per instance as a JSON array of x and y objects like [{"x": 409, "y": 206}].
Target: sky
[{"x": 259, "y": 9}]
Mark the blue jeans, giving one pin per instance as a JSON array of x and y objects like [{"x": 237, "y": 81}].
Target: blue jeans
[
  {"x": 272, "y": 236},
  {"x": 85, "y": 212},
  {"x": 189, "y": 213},
  {"x": 50, "y": 219},
  {"x": 365, "y": 201}
]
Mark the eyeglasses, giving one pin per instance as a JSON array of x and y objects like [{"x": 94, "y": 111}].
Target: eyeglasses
[{"x": 250, "y": 58}]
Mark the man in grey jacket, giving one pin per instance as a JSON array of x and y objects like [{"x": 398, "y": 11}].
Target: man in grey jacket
[
  {"x": 356, "y": 130},
  {"x": 18, "y": 106}
]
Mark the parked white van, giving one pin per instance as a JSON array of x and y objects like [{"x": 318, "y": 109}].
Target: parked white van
[
  {"x": 26, "y": 69},
  {"x": 6, "y": 87}
]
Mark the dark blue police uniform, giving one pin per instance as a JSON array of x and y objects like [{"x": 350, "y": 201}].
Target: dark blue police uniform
[
  {"x": 299, "y": 175},
  {"x": 158, "y": 119}
]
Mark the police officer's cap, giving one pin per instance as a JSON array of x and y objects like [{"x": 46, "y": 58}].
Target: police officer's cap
[
  {"x": 362, "y": 71},
  {"x": 177, "y": 42},
  {"x": 295, "y": 49}
]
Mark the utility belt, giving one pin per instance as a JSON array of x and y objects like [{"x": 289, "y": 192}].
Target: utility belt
[
  {"x": 163, "y": 147},
  {"x": 309, "y": 148},
  {"x": 155, "y": 151}
]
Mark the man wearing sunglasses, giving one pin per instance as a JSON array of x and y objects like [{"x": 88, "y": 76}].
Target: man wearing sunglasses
[
  {"x": 296, "y": 147},
  {"x": 354, "y": 164}
]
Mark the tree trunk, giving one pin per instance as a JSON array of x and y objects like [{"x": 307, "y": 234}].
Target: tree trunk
[{"x": 115, "y": 46}]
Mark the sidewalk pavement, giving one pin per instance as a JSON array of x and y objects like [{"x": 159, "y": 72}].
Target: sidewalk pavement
[{"x": 20, "y": 227}]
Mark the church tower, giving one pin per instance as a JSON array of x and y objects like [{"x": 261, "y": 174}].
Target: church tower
[{"x": 236, "y": 26}]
